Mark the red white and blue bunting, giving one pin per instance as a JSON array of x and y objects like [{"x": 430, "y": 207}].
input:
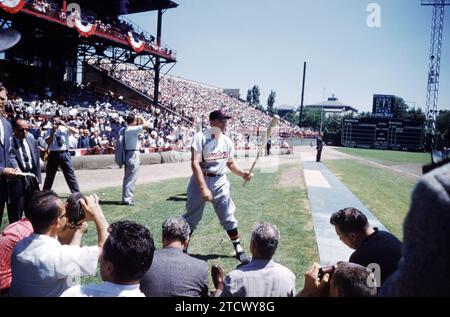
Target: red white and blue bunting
[
  {"x": 137, "y": 46},
  {"x": 84, "y": 30},
  {"x": 12, "y": 6}
]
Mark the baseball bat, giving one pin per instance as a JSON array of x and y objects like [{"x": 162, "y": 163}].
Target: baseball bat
[{"x": 274, "y": 123}]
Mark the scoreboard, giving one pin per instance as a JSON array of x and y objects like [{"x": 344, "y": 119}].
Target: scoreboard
[
  {"x": 383, "y": 106},
  {"x": 383, "y": 133}
]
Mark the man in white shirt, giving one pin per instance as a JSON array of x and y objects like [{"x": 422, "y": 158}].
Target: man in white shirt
[
  {"x": 40, "y": 265},
  {"x": 57, "y": 139},
  {"x": 262, "y": 277},
  {"x": 132, "y": 156},
  {"x": 127, "y": 254}
]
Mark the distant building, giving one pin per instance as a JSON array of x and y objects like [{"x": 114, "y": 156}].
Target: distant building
[
  {"x": 283, "y": 110},
  {"x": 333, "y": 106},
  {"x": 236, "y": 93}
]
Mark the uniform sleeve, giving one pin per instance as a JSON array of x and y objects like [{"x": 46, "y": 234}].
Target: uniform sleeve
[
  {"x": 197, "y": 142},
  {"x": 76, "y": 261}
]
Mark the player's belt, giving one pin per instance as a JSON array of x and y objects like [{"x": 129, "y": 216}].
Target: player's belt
[{"x": 212, "y": 175}]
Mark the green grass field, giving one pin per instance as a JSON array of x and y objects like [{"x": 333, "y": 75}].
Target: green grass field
[
  {"x": 385, "y": 193},
  {"x": 389, "y": 157},
  {"x": 285, "y": 207}
]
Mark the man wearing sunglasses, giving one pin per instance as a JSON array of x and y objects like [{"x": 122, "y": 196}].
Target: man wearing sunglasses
[{"x": 24, "y": 158}]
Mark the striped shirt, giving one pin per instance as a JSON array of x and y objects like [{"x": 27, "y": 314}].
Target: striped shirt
[{"x": 8, "y": 240}]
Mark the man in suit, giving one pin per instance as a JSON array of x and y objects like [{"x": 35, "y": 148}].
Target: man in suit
[
  {"x": 174, "y": 273},
  {"x": 5, "y": 136},
  {"x": 23, "y": 155}
]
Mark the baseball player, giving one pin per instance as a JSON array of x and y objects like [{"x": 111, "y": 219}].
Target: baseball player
[{"x": 212, "y": 151}]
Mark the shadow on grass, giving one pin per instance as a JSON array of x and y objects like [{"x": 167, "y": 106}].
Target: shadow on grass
[
  {"x": 179, "y": 197},
  {"x": 207, "y": 257},
  {"x": 110, "y": 203},
  {"x": 175, "y": 198}
]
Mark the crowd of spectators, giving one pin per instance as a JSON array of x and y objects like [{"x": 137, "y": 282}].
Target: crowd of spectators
[
  {"x": 98, "y": 120},
  {"x": 195, "y": 101},
  {"x": 118, "y": 27}
]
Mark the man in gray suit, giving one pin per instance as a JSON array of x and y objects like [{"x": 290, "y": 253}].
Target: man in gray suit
[{"x": 174, "y": 273}]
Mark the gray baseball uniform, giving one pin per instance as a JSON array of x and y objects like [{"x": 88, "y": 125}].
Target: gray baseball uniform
[
  {"x": 132, "y": 162},
  {"x": 216, "y": 153}
]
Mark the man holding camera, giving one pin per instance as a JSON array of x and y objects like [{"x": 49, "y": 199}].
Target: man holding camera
[
  {"x": 58, "y": 144},
  {"x": 41, "y": 266}
]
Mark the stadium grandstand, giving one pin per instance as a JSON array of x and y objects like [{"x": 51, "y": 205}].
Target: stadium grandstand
[{"x": 91, "y": 66}]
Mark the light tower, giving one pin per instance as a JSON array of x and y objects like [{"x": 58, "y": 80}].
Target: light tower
[{"x": 437, "y": 29}]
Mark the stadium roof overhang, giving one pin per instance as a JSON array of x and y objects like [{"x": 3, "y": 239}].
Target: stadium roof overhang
[{"x": 121, "y": 7}]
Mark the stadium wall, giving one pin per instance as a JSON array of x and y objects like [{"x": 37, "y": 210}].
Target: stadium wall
[{"x": 92, "y": 162}]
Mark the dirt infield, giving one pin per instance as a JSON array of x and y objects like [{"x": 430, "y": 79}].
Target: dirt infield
[{"x": 93, "y": 180}]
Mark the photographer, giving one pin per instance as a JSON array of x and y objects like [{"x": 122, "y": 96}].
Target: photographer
[
  {"x": 21, "y": 229},
  {"x": 40, "y": 265},
  {"x": 58, "y": 144},
  {"x": 341, "y": 280}
]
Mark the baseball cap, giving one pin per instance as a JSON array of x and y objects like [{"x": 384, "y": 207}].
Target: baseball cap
[{"x": 218, "y": 115}]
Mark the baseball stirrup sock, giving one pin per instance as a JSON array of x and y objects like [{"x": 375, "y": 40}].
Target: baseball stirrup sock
[{"x": 234, "y": 236}]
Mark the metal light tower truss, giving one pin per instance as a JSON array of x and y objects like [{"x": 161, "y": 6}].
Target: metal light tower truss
[{"x": 437, "y": 29}]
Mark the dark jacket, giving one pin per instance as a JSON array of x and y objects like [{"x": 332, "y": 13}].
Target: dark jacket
[
  {"x": 15, "y": 159},
  {"x": 4, "y": 147},
  {"x": 175, "y": 274},
  {"x": 424, "y": 268}
]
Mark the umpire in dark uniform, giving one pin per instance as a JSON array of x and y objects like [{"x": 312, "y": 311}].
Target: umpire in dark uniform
[
  {"x": 23, "y": 155},
  {"x": 58, "y": 144},
  {"x": 319, "y": 146}
]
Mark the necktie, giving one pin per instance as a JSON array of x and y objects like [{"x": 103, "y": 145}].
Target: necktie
[{"x": 26, "y": 158}]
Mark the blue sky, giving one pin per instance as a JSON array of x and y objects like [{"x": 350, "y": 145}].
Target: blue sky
[{"x": 239, "y": 43}]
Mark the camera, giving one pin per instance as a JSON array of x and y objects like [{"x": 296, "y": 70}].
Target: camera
[
  {"x": 326, "y": 270},
  {"x": 75, "y": 212}
]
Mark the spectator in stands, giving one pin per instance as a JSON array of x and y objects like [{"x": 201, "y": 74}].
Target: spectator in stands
[
  {"x": 127, "y": 254},
  {"x": 262, "y": 277},
  {"x": 345, "y": 280},
  {"x": 40, "y": 265},
  {"x": 96, "y": 143},
  {"x": 174, "y": 273},
  {"x": 84, "y": 140},
  {"x": 371, "y": 245},
  {"x": 424, "y": 269}
]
